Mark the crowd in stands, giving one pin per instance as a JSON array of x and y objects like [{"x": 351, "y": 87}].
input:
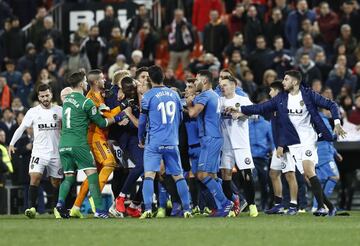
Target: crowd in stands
[{"x": 257, "y": 40}]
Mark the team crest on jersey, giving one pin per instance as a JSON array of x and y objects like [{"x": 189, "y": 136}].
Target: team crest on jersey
[
  {"x": 60, "y": 171},
  {"x": 237, "y": 105},
  {"x": 308, "y": 153},
  {"x": 247, "y": 161},
  {"x": 283, "y": 165},
  {"x": 93, "y": 110},
  {"x": 302, "y": 103},
  {"x": 55, "y": 116}
]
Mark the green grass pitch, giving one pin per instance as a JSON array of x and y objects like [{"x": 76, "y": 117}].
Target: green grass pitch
[{"x": 265, "y": 230}]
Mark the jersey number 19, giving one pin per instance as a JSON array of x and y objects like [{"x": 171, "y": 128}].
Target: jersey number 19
[{"x": 167, "y": 109}]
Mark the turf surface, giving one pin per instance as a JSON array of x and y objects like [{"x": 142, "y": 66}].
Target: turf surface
[{"x": 264, "y": 230}]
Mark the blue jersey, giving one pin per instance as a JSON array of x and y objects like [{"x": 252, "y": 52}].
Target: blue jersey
[
  {"x": 164, "y": 110},
  {"x": 209, "y": 119},
  {"x": 192, "y": 131}
]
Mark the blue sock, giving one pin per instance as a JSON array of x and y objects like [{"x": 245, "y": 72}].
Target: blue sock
[
  {"x": 148, "y": 192},
  {"x": 162, "y": 196},
  {"x": 329, "y": 187},
  {"x": 215, "y": 190},
  {"x": 184, "y": 194}
]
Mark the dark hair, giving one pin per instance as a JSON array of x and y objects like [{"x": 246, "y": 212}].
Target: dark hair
[
  {"x": 277, "y": 85},
  {"x": 76, "y": 78},
  {"x": 126, "y": 81},
  {"x": 226, "y": 70},
  {"x": 294, "y": 74},
  {"x": 93, "y": 75},
  {"x": 43, "y": 87},
  {"x": 230, "y": 78},
  {"x": 156, "y": 74},
  {"x": 305, "y": 54},
  {"x": 190, "y": 80},
  {"x": 93, "y": 26},
  {"x": 278, "y": 37},
  {"x": 140, "y": 70},
  {"x": 207, "y": 74},
  {"x": 325, "y": 88}
]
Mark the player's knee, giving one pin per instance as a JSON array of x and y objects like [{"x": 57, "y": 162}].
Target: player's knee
[
  {"x": 274, "y": 174},
  {"x": 150, "y": 175},
  {"x": 226, "y": 174},
  {"x": 55, "y": 182},
  {"x": 202, "y": 175},
  {"x": 290, "y": 176},
  {"x": 35, "y": 179},
  {"x": 335, "y": 178},
  {"x": 177, "y": 177}
]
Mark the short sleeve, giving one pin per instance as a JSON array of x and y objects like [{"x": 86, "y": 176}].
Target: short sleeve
[
  {"x": 201, "y": 99},
  {"x": 247, "y": 101}
]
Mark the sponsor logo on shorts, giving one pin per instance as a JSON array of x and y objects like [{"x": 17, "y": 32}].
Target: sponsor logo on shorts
[
  {"x": 308, "y": 153},
  {"x": 237, "y": 105},
  {"x": 55, "y": 116},
  {"x": 166, "y": 147},
  {"x": 302, "y": 103},
  {"x": 60, "y": 171},
  {"x": 247, "y": 161},
  {"x": 283, "y": 165}
]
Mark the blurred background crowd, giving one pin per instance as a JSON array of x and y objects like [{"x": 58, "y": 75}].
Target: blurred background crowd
[{"x": 257, "y": 40}]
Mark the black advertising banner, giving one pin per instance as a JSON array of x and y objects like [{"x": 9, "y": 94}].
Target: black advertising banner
[{"x": 91, "y": 13}]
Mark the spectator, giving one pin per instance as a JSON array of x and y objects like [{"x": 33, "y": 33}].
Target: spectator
[
  {"x": 27, "y": 61},
  {"x": 324, "y": 67},
  {"x": 253, "y": 28},
  {"x": 37, "y": 27},
  {"x": 354, "y": 115},
  {"x": 339, "y": 79},
  {"x": 5, "y": 93},
  {"x": 17, "y": 106},
  {"x": 46, "y": 78},
  {"x": 204, "y": 62},
  {"x": 248, "y": 84},
  {"x": 75, "y": 62},
  {"x": 236, "y": 65},
  {"x": 137, "y": 59},
  {"x": 316, "y": 85},
  {"x": 8, "y": 124},
  {"x": 116, "y": 45},
  {"x": 170, "y": 80},
  {"x": 216, "y": 36},
  {"x": 108, "y": 23},
  {"x": 237, "y": 43},
  {"x": 50, "y": 30},
  {"x": 308, "y": 70},
  {"x": 12, "y": 76},
  {"x": 120, "y": 64},
  {"x": 282, "y": 5},
  {"x": 201, "y": 12},
  {"x": 94, "y": 47},
  {"x": 308, "y": 47},
  {"x": 342, "y": 52},
  {"x": 181, "y": 41},
  {"x": 49, "y": 54},
  {"x": 292, "y": 26},
  {"x": 237, "y": 20},
  {"x": 281, "y": 58},
  {"x": 351, "y": 17},
  {"x": 145, "y": 40},
  {"x": 5, "y": 12},
  {"x": 275, "y": 27},
  {"x": 328, "y": 22},
  {"x": 357, "y": 74},
  {"x": 346, "y": 102},
  {"x": 137, "y": 22},
  {"x": 80, "y": 34},
  {"x": 260, "y": 59},
  {"x": 14, "y": 40},
  {"x": 3, "y": 34},
  {"x": 269, "y": 77},
  {"x": 308, "y": 28},
  {"x": 25, "y": 89},
  {"x": 346, "y": 39}
]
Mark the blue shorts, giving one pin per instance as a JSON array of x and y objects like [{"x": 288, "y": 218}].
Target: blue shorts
[
  {"x": 169, "y": 153},
  {"x": 209, "y": 159},
  {"x": 326, "y": 170},
  {"x": 194, "y": 154}
]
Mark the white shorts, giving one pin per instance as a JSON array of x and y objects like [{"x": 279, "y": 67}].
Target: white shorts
[
  {"x": 53, "y": 166},
  {"x": 285, "y": 164},
  {"x": 241, "y": 157},
  {"x": 305, "y": 153}
]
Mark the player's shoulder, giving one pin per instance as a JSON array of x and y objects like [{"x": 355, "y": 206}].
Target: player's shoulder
[{"x": 95, "y": 97}]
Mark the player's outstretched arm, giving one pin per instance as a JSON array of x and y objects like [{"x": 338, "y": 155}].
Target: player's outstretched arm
[
  {"x": 195, "y": 108},
  {"x": 261, "y": 109}
]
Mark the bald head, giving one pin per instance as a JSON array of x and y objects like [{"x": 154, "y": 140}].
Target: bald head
[{"x": 66, "y": 91}]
